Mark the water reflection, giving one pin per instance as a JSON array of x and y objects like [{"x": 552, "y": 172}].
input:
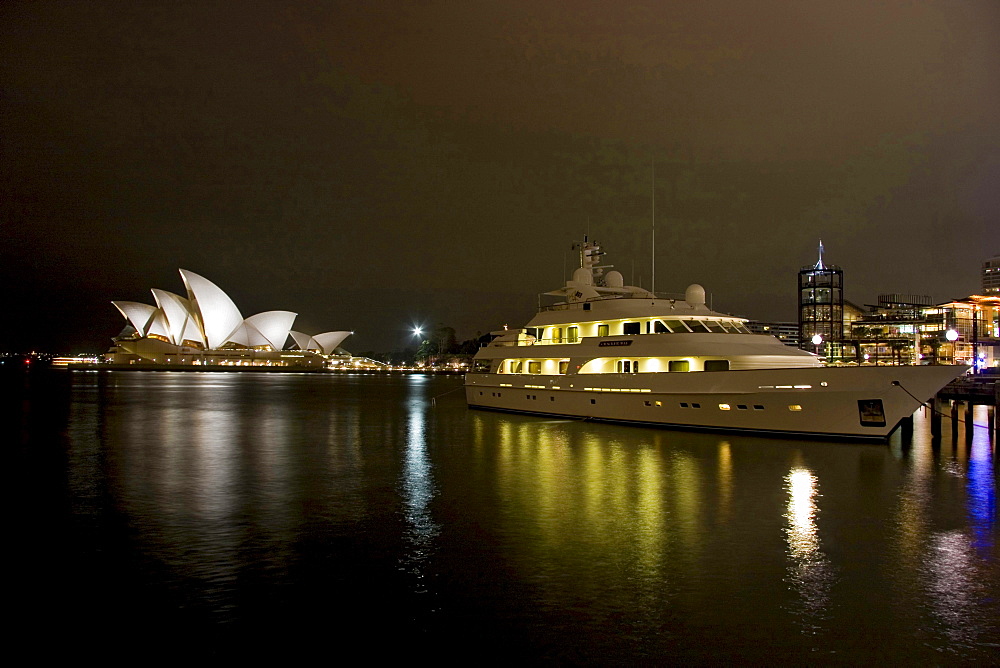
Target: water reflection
[
  {"x": 272, "y": 498},
  {"x": 981, "y": 486},
  {"x": 418, "y": 489},
  {"x": 809, "y": 571}
]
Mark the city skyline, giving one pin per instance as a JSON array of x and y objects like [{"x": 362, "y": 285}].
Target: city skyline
[{"x": 383, "y": 167}]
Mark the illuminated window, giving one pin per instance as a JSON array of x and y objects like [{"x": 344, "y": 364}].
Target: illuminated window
[
  {"x": 795, "y": 408},
  {"x": 679, "y": 365},
  {"x": 557, "y": 334},
  {"x": 572, "y": 335},
  {"x": 724, "y": 407},
  {"x": 534, "y": 367},
  {"x": 696, "y": 326},
  {"x": 564, "y": 366},
  {"x": 716, "y": 365},
  {"x": 602, "y": 330},
  {"x": 659, "y": 403}
]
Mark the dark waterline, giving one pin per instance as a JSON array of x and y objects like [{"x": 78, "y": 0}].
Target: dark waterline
[{"x": 282, "y": 515}]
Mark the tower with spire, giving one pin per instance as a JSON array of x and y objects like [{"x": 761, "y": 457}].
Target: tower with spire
[{"x": 821, "y": 306}]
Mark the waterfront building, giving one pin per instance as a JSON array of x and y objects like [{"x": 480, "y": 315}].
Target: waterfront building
[
  {"x": 911, "y": 329},
  {"x": 821, "y": 307},
  {"x": 889, "y": 332},
  {"x": 786, "y": 332},
  {"x": 207, "y": 329},
  {"x": 991, "y": 276}
]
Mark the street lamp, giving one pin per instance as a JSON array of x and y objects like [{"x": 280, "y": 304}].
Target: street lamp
[
  {"x": 952, "y": 336},
  {"x": 817, "y": 341}
]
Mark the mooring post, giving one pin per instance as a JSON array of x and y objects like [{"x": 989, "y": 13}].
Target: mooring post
[
  {"x": 954, "y": 420},
  {"x": 906, "y": 431}
]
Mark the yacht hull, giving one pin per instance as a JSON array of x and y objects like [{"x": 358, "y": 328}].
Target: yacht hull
[{"x": 830, "y": 402}]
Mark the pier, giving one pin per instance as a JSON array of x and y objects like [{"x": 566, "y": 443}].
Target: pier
[{"x": 955, "y": 403}]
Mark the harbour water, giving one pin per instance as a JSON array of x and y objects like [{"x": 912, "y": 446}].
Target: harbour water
[{"x": 163, "y": 514}]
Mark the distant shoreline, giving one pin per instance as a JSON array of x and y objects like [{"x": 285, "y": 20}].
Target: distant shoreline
[{"x": 213, "y": 368}]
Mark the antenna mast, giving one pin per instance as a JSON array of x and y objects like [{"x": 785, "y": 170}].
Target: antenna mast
[{"x": 652, "y": 188}]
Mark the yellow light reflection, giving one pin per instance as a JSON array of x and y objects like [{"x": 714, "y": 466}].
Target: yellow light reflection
[
  {"x": 725, "y": 478},
  {"x": 809, "y": 571},
  {"x": 801, "y": 515}
]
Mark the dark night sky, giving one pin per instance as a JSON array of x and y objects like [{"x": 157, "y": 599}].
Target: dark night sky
[{"x": 371, "y": 165}]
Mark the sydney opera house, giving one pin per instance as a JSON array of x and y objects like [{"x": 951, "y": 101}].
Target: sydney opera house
[{"x": 206, "y": 329}]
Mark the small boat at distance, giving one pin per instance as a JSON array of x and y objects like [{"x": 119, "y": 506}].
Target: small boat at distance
[{"x": 612, "y": 352}]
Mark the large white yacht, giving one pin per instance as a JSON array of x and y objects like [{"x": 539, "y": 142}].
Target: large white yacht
[{"x": 608, "y": 351}]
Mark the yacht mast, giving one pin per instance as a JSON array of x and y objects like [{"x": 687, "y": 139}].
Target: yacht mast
[{"x": 652, "y": 188}]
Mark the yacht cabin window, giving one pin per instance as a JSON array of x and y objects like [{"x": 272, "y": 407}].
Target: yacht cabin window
[
  {"x": 676, "y": 326},
  {"x": 627, "y": 366},
  {"x": 573, "y": 335},
  {"x": 713, "y": 326},
  {"x": 697, "y": 326},
  {"x": 716, "y": 365},
  {"x": 630, "y": 328},
  {"x": 679, "y": 365},
  {"x": 602, "y": 330}
]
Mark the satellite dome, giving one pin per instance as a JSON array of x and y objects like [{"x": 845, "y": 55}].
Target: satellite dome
[
  {"x": 695, "y": 295},
  {"x": 583, "y": 276},
  {"x": 614, "y": 279}
]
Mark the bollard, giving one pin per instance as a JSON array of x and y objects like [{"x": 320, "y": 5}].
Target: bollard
[{"x": 906, "y": 431}]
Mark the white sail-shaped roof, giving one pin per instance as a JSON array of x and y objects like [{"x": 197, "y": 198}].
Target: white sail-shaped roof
[
  {"x": 329, "y": 341},
  {"x": 218, "y": 314},
  {"x": 305, "y": 342},
  {"x": 177, "y": 311},
  {"x": 246, "y": 335},
  {"x": 273, "y": 326},
  {"x": 158, "y": 325},
  {"x": 138, "y": 314},
  {"x": 191, "y": 333}
]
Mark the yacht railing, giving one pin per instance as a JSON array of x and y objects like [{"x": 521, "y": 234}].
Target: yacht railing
[{"x": 568, "y": 306}]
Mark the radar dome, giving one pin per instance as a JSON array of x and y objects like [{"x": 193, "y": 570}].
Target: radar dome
[
  {"x": 614, "y": 280},
  {"x": 695, "y": 295},
  {"x": 583, "y": 276}
]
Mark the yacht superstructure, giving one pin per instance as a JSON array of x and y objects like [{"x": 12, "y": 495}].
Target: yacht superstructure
[{"x": 613, "y": 352}]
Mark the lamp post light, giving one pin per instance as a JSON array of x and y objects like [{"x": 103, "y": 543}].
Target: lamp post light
[
  {"x": 817, "y": 341},
  {"x": 951, "y": 335}
]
